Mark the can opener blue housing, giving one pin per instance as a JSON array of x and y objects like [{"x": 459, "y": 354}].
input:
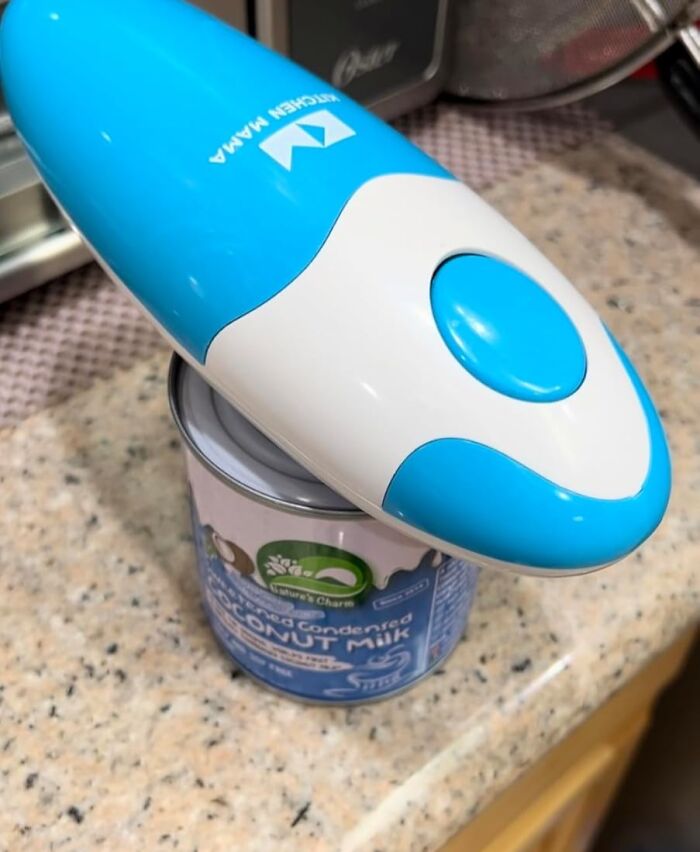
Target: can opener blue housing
[{"x": 363, "y": 308}]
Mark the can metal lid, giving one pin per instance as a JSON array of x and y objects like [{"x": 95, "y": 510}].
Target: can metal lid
[{"x": 226, "y": 442}]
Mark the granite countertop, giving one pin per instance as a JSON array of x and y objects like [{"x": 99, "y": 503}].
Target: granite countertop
[{"x": 123, "y": 725}]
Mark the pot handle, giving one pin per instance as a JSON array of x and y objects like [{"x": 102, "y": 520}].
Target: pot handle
[{"x": 679, "y": 72}]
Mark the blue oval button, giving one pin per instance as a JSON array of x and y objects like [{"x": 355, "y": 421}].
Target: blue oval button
[{"x": 506, "y": 330}]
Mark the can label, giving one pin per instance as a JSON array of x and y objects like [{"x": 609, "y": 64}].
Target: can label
[{"x": 329, "y": 611}]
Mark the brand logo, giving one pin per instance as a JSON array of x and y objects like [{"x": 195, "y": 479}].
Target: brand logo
[
  {"x": 320, "y": 129},
  {"x": 356, "y": 63},
  {"x": 314, "y": 573}
]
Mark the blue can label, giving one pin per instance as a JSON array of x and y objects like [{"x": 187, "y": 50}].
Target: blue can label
[{"x": 307, "y": 617}]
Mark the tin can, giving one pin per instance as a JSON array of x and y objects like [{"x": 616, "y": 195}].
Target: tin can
[{"x": 307, "y": 593}]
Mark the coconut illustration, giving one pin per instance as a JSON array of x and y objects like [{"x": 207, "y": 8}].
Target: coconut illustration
[{"x": 233, "y": 557}]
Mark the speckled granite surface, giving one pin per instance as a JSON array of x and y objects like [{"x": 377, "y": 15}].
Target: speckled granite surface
[{"x": 123, "y": 726}]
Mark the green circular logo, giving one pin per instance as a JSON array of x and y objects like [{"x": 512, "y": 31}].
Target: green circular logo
[{"x": 315, "y": 573}]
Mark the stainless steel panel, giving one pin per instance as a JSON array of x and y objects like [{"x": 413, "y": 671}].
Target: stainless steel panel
[
  {"x": 26, "y": 213},
  {"x": 40, "y": 261},
  {"x": 272, "y": 24},
  {"x": 413, "y": 44},
  {"x": 233, "y": 11},
  {"x": 34, "y": 243}
]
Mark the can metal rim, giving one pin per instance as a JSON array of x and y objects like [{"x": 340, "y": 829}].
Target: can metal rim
[{"x": 176, "y": 365}]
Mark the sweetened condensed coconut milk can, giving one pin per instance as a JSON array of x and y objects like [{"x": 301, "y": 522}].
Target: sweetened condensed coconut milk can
[{"x": 305, "y": 592}]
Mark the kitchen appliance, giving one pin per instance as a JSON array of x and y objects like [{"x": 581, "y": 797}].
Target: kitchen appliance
[
  {"x": 389, "y": 55},
  {"x": 366, "y": 311},
  {"x": 535, "y": 55}
]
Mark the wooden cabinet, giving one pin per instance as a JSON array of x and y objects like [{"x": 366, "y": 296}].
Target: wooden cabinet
[{"x": 558, "y": 804}]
